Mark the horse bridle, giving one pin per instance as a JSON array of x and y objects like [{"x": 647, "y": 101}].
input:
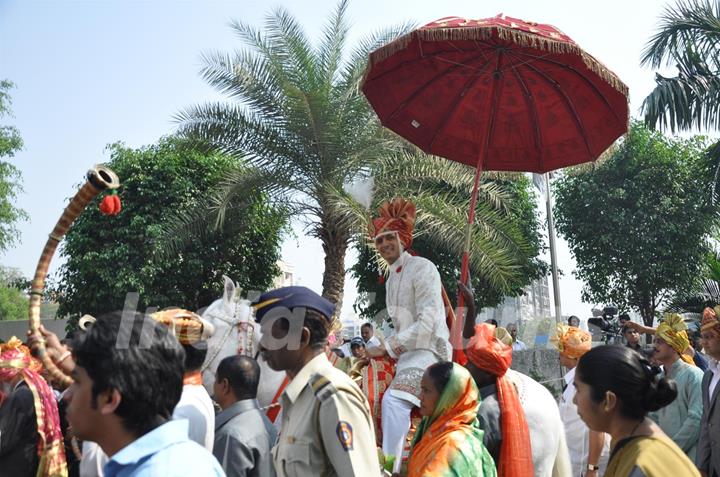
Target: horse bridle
[{"x": 233, "y": 322}]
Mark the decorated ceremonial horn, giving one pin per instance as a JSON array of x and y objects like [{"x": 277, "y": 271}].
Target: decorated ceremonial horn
[{"x": 99, "y": 178}]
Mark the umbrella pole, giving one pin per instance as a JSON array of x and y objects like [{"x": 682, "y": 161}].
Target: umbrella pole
[{"x": 456, "y": 332}]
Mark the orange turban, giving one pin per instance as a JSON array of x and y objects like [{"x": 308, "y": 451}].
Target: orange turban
[
  {"x": 397, "y": 215},
  {"x": 710, "y": 320},
  {"x": 490, "y": 354},
  {"x": 189, "y": 328},
  {"x": 572, "y": 342}
]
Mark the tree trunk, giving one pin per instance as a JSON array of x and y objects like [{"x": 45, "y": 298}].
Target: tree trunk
[
  {"x": 647, "y": 311},
  {"x": 335, "y": 243}
]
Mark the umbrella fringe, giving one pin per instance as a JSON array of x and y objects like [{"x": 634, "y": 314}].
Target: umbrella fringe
[{"x": 485, "y": 33}]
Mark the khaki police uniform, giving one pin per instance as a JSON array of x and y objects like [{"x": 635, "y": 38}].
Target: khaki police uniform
[{"x": 326, "y": 428}]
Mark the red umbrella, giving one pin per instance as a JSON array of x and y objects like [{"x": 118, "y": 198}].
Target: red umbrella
[{"x": 497, "y": 94}]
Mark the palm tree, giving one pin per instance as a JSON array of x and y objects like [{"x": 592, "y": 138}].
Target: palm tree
[
  {"x": 303, "y": 125},
  {"x": 688, "y": 38}
]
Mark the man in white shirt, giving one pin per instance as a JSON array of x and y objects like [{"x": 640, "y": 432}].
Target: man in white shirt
[
  {"x": 416, "y": 308},
  {"x": 195, "y": 403},
  {"x": 517, "y": 345},
  {"x": 589, "y": 450},
  {"x": 368, "y": 336}
]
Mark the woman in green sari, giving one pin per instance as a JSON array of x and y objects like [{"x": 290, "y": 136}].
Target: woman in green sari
[{"x": 448, "y": 441}]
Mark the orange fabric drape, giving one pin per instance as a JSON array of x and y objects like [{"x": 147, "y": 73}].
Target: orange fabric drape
[{"x": 488, "y": 353}]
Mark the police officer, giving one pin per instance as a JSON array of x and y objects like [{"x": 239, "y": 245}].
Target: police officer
[{"x": 326, "y": 427}]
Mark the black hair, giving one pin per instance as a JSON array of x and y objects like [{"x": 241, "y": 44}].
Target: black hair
[
  {"x": 440, "y": 374},
  {"x": 623, "y": 317},
  {"x": 357, "y": 345},
  {"x": 243, "y": 375},
  {"x": 572, "y": 317},
  {"x": 139, "y": 358},
  {"x": 637, "y": 384},
  {"x": 367, "y": 325},
  {"x": 71, "y": 337},
  {"x": 492, "y": 321},
  {"x": 195, "y": 355}
]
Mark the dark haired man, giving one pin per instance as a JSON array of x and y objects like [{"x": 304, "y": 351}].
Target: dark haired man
[
  {"x": 326, "y": 425},
  {"x": 574, "y": 321},
  {"x": 128, "y": 378},
  {"x": 368, "y": 335},
  {"x": 243, "y": 433}
]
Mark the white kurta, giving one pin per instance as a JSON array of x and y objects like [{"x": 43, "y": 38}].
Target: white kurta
[
  {"x": 576, "y": 431},
  {"x": 420, "y": 337},
  {"x": 196, "y": 406}
]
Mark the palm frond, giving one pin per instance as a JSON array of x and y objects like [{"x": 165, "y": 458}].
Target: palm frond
[
  {"x": 684, "y": 102},
  {"x": 692, "y": 23},
  {"x": 333, "y": 43},
  {"x": 358, "y": 59},
  {"x": 224, "y": 208}
]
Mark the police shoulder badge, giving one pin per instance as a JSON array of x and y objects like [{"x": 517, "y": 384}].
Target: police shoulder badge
[{"x": 345, "y": 435}]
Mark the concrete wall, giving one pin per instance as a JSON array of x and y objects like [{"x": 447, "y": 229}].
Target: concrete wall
[
  {"x": 541, "y": 364},
  {"x": 19, "y": 328}
]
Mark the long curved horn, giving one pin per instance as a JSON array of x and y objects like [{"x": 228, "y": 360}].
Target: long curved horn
[{"x": 99, "y": 178}]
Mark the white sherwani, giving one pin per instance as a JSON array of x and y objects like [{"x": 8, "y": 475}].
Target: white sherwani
[{"x": 421, "y": 337}]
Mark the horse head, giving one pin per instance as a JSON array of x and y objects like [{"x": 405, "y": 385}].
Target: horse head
[{"x": 235, "y": 330}]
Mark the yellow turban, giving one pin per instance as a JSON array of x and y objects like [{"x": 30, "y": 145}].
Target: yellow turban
[
  {"x": 672, "y": 331},
  {"x": 571, "y": 341},
  {"x": 503, "y": 335}
]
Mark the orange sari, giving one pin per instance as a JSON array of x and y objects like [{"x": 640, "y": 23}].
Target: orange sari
[{"x": 449, "y": 443}]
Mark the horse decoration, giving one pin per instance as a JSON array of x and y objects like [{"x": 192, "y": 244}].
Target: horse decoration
[{"x": 236, "y": 333}]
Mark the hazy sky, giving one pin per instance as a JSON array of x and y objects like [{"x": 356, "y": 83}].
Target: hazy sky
[{"x": 90, "y": 73}]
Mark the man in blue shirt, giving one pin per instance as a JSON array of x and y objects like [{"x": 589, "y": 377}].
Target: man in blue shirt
[{"x": 128, "y": 378}]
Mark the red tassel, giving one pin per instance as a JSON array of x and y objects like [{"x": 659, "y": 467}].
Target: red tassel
[
  {"x": 381, "y": 279},
  {"x": 110, "y": 205}
]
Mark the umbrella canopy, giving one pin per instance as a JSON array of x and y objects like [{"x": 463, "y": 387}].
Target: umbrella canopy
[{"x": 499, "y": 93}]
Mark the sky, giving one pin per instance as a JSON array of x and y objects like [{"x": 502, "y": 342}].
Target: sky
[{"x": 91, "y": 73}]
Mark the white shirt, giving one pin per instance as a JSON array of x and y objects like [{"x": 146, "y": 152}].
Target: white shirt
[
  {"x": 576, "y": 431},
  {"x": 196, "y": 406},
  {"x": 713, "y": 366},
  {"x": 519, "y": 346},
  {"x": 93, "y": 460}
]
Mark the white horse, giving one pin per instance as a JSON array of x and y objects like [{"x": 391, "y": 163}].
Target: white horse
[{"x": 236, "y": 333}]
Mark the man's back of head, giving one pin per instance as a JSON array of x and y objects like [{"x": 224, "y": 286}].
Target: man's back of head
[{"x": 237, "y": 379}]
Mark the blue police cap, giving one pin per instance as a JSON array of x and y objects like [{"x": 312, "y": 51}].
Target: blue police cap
[{"x": 293, "y": 297}]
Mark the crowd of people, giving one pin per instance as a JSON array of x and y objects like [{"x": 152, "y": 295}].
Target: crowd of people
[{"x": 409, "y": 403}]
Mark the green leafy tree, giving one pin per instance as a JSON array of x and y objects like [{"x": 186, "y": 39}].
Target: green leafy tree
[
  {"x": 13, "y": 302},
  {"x": 10, "y": 177},
  {"x": 637, "y": 223},
  {"x": 107, "y": 257},
  {"x": 507, "y": 221}
]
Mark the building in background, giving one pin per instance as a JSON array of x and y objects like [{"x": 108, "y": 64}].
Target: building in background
[
  {"x": 534, "y": 304},
  {"x": 286, "y": 278}
]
